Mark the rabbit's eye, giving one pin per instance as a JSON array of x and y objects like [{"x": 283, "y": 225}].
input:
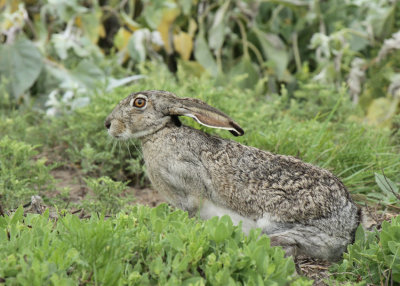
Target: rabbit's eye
[{"x": 139, "y": 102}]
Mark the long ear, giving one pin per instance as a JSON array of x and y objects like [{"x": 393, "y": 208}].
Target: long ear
[{"x": 204, "y": 114}]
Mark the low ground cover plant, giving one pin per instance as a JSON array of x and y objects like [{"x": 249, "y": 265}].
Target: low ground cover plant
[
  {"x": 374, "y": 257},
  {"x": 21, "y": 176},
  {"x": 143, "y": 247}
]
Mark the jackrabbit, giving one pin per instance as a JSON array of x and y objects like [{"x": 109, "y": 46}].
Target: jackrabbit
[{"x": 303, "y": 208}]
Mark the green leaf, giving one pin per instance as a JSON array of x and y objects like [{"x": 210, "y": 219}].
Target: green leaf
[
  {"x": 385, "y": 184},
  {"x": 91, "y": 23},
  {"x": 261, "y": 259},
  {"x": 216, "y": 35},
  {"x": 221, "y": 233},
  {"x": 360, "y": 235},
  {"x": 18, "y": 216},
  {"x": 394, "y": 247},
  {"x": 203, "y": 55},
  {"x": 88, "y": 74},
  {"x": 4, "y": 220},
  {"x": 379, "y": 20},
  {"x": 175, "y": 242},
  {"x": 245, "y": 73},
  {"x": 195, "y": 281},
  {"x": 156, "y": 266},
  {"x": 20, "y": 63},
  {"x": 137, "y": 45},
  {"x": 153, "y": 12},
  {"x": 274, "y": 51},
  {"x": 186, "y": 5}
]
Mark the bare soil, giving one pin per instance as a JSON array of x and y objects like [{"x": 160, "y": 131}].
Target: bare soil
[{"x": 72, "y": 179}]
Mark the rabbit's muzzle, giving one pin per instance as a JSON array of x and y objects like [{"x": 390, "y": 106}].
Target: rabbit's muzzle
[
  {"x": 107, "y": 123},
  {"x": 116, "y": 128}
]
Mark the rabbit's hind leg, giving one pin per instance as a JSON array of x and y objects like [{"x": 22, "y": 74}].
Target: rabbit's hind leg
[{"x": 309, "y": 241}]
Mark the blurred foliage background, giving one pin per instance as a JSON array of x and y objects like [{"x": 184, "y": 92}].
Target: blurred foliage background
[{"x": 60, "y": 51}]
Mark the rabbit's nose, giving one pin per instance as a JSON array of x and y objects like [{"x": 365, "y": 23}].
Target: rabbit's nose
[{"x": 107, "y": 123}]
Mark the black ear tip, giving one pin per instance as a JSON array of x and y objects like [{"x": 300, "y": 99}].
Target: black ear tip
[
  {"x": 238, "y": 131},
  {"x": 234, "y": 132}
]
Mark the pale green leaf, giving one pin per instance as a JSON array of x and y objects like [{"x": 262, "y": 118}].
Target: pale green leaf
[
  {"x": 88, "y": 74},
  {"x": 216, "y": 35},
  {"x": 186, "y": 5},
  {"x": 20, "y": 63},
  {"x": 394, "y": 247},
  {"x": 274, "y": 50},
  {"x": 221, "y": 233},
  {"x": 385, "y": 184},
  {"x": 17, "y": 216},
  {"x": 203, "y": 55},
  {"x": 137, "y": 45},
  {"x": 246, "y": 73},
  {"x": 360, "y": 235}
]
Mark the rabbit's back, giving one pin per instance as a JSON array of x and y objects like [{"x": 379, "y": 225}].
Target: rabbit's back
[
  {"x": 245, "y": 179},
  {"x": 255, "y": 182}
]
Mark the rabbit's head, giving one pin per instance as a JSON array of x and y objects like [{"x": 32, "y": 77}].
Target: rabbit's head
[{"x": 145, "y": 112}]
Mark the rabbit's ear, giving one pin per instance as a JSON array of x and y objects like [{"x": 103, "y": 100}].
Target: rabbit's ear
[{"x": 205, "y": 115}]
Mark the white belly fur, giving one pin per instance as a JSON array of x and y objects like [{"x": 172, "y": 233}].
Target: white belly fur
[
  {"x": 267, "y": 223},
  {"x": 209, "y": 210}
]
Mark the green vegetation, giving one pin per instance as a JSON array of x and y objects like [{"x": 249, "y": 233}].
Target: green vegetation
[
  {"x": 21, "y": 176},
  {"x": 145, "y": 247},
  {"x": 106, "y": 196},
  {"x": 374, "y": 257},
  {"x": 75, "y": 48},
  {"x": 317, "y": 80}
]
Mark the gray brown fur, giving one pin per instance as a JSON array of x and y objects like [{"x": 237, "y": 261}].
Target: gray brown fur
[{"x": 302, "y": 207}]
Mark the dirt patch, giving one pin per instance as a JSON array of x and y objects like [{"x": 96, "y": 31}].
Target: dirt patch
[
  {"x": 73, "y": 180},
  {"x": 147, "y": 197},
  {"x": 69, "y": 179},
  {"x": 314, "y": 269}
]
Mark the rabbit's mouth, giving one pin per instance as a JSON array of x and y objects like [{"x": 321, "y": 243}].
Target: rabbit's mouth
[
  {"x": 120, "y": 131},
  {"x": 117, "y": 129},
  {"x": 125, "y": 135}
]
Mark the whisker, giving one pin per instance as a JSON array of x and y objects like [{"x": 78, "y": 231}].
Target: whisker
[
  {"x": 129, "y": 151},
  {"x": 137, "y": 149},
  {"x": 110, "y": 140},
  {"x": 115, "y": 142}
]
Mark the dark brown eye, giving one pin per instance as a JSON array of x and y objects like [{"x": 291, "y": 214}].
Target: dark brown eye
[{"x": 139, "y": 102}]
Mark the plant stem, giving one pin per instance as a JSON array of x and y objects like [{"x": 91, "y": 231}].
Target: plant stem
[{"x": 296, "y": 52}]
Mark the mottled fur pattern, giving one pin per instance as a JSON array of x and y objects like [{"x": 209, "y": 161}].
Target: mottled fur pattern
[{"x": 303, "y": 208}]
